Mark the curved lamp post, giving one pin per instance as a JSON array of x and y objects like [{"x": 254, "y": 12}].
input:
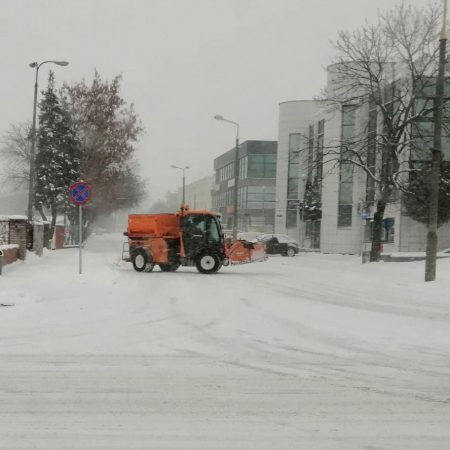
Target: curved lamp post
[
  {"x": 36, "y": 66},
  {"x": 236, "y": 177},
  {"x": 184, "y": 181}
]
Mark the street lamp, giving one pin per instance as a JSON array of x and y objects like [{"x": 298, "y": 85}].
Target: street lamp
[
  {"x": 236, "y": 177},
  {"x": 36, "y": 66},
  {"x": 184, "y": 181}
]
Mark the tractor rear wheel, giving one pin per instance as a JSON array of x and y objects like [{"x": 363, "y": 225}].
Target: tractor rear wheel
[
  {"x": 142, "y": 261},
  {"x": 169, "y": 267},
  {"x": 208, "y": 263}
]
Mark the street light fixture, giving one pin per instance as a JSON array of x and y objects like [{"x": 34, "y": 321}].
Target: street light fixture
[
  {"x": 236, "y": 176},
  {"x": 184, "y": 181},
  {"x": 35, "y": 65}
]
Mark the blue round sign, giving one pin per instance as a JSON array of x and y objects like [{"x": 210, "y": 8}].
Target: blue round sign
[{"x": 80, "y": 193}]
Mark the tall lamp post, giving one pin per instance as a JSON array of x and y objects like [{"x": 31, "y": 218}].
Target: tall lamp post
[
  {"x": 36, "y": 66},
  {"x": 184, "y": 181},
  {"x": 236, "y": 177}
]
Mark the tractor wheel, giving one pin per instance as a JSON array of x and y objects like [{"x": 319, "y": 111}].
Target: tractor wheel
[
  {"x": 142, "y": 261},
  {"x": 169, "y": 267},
  {"x": 208, "y": 263}
]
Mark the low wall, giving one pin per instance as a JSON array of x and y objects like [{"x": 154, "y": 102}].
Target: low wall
[{"x": 10, "y": 253}]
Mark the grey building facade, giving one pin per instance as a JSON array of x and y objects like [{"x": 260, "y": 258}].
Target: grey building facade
[{"x": 256, "y": 187}]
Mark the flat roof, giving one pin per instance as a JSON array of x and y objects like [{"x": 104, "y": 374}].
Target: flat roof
[{"x": 295, "y": 101}]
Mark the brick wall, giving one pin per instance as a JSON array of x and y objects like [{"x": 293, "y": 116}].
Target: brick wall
[
  {"x": 18, "y": 235},
  {"x": 10, "y": 253}
]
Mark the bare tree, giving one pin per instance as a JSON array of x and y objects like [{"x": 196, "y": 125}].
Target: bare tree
[
  {"x": 381, "y": 80},
  {"x": 15, "y": 151},
  {"x": 108, "y": 129}
]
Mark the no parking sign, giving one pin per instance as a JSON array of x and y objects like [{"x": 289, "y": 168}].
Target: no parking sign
[{"x": 80, "y": 194}]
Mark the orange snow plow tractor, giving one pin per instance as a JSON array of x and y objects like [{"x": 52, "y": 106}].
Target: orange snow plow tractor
[{"x": 185, "y": 238}]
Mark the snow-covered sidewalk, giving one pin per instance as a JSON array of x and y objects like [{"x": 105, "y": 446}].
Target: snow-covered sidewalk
[{"x": 316, "y": 352}]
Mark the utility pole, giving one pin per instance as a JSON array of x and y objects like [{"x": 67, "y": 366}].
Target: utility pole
[{"x": 432, "y": 241}]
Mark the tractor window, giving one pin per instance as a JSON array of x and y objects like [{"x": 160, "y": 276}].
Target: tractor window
[
  {"x": 203, "y": 224},
  {"x": 212, "y": 229}
]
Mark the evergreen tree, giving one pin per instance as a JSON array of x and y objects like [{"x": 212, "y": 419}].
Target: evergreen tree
[
  {"x": 417, "y": 197},
  {"x": 312, "y": 206},
  {"x": 58, "y": 159}
]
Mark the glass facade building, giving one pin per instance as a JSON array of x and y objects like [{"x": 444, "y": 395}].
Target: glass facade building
[{"x": 256, "y": 186}]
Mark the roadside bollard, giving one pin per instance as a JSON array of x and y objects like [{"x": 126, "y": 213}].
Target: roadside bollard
[
  {"x": 1, "y": 261},
  {"x": 366, "y": 256}
]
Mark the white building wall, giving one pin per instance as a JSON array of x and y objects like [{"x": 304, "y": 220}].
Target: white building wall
[
  {"x": 198, "y": 194},
  {"x": 294, "y": 117},
  {"x": 413, "y": 237}
]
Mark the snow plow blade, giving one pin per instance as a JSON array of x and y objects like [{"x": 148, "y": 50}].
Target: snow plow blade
[{"x": 243, "y": 252}]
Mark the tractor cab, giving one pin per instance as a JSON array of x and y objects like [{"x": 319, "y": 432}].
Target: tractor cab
[{"x": 201, "y": 232}]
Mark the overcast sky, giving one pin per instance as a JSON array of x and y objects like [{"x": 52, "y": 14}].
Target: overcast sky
[{"x": 183, "y": 62}]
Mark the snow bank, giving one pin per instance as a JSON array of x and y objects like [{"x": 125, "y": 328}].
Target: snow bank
[{"x": 8, "y": 247}]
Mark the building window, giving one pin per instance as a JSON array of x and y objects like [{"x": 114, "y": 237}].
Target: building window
[
  {"x": 226, "y": 173},
  {"x": 386, "y": 157},
  {"x": 256, "y": 197},
  {"x": 293, "y": 165},
  {"x": 293, "y": 176},
  {"x": 319, "y": 154},
  {"x": 345, "y": 207},
  {"x": 371, "y": 150},
  {"x": 423, "y": 127},
  {"x": 243, "y": 165},
  {"x": 311, "y": 152},
  {"x": 262, "y": 166},
  {"x": 291, "y": 218}
]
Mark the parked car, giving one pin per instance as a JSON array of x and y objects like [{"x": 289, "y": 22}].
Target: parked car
[{"x": 279, "y": 244}]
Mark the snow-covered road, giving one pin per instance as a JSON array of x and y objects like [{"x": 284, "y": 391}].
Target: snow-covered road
[{"x": 311, "y": 352}]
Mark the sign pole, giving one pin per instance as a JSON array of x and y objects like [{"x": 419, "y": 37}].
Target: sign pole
[
  {"x": 81, "y": 237},
  {"x": 80, "y": 193}
]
